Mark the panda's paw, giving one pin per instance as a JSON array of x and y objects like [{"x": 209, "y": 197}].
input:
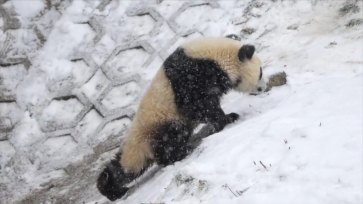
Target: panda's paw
[
  {"x": 232, "y": 117},
  {"x": 113, "y": 179},
  {"x": 109, "y": 184}
]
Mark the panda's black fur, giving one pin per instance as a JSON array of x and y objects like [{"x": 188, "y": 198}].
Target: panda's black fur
[
  {"x": 198, "y": 86},
  {"x": 185, "y": 92}
]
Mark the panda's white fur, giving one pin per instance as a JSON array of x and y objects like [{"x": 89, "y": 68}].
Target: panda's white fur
[{"x": 235, "y": 66}]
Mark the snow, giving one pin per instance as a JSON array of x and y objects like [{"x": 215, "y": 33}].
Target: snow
[
  {"x": 23, "y": 42},
  {"x": 298, "y": 143},
  {"x": 12, "y": 76},
  {"x": 62, "y": 110},
  {"x": 103, "y": 49},
  {"x": 28, "y": 9},
  {"x": 67, "y": 36},
  {"x": 7, "y": 151},
  {"x": 121, "y": 96},
  {"x": 196, "y": 17},
  {"x": 140, "y": 26},
  {"x": 128, "y": 62},
  {"x": 312, "y": 150},
  {"x": 180, "y": 41},
  {"x": 52, "y": 146},
  {"x": 112, "y": 128},
  {"x": 81, "y": 72},
  {"x": 87, "y": 126},
  {"x": 94, "y": 87},
  {"x": 11, "y": 113}
]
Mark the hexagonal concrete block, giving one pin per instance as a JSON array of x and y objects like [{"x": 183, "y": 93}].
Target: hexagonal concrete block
[
  {"x": 10, "y": 114},
  {"x": 92, "y": 32},
  {"x": 103, "y": 49},
  {"x": 173, "y": 19},
  {"x": 163, "y": 35},
  {"x": 83, "y": 68},
  {"x": 10, "y": 77},
  {"x": 109, "y": 132},
  {"x": 131, "y": 85},
  {"x": 59, "y": 112},
  {"x": 151, "y": 12},
  {"x": 7, "y": 151},
  {"x": 45, "y": 24},
  {"x": 20, "y": 44},
  {"x": 10, "y": 22},
  {"x": 96, "y": 85},
  {"x": 85, "y": 129},
  {"x": 133, "y": 26},
  {"x": 63, "y": 113},
  {"x": 58, "y": 152},
  {"x": 103, "y": 4},
  {"x": 97, "y": 27},
  {"x": 175, "y": 42},
  {"x": 111, "y": 135},
  {"x": 128, "y": 60},
  {"x": 198, "y": 17},
  {"x": 144, "y": 23},
  {"x": 121, "y": 96}
]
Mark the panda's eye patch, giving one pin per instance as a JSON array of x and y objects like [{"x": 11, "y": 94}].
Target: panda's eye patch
[{"x": 260, "y": 73}]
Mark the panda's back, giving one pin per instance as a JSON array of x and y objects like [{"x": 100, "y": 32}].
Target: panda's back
[{"x": 158, "y": 103}]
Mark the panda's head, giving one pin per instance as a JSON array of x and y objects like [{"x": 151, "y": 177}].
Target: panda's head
[
  {"x": 239, "y": 61},
  {"x": 250, "y": 75}
]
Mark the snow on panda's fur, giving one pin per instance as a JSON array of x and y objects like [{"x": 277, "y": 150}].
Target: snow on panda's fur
[{"x": 185, "y": 92}]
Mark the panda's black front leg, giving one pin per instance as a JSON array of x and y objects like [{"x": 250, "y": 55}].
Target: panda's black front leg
[
  {"x": 213, "y": 114},
  {"x": 219, "y": 120},
  {"x": 232, "y": 117}
]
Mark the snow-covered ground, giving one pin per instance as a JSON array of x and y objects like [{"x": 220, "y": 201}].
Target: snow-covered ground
[{"x": 62, "y": 116}]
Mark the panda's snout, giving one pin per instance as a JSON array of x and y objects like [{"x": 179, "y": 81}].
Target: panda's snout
[{"x": 260, "y": 87}]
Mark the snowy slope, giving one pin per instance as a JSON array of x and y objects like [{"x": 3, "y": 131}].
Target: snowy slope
[
  {"x": 72, "y": 73},
  {"x": 308, "y": 134}
]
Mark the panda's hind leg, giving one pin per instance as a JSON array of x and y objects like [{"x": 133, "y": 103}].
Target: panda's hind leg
[{"x": 171, "y": 142}]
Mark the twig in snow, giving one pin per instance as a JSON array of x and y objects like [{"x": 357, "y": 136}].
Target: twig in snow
[
  {"x": 254, "y": 162},
  {"x": 243, "y": 191},
  {"x": 320, "y": 124},
  {"x": 263, "y": 165},
  {"x": 229, "y": 189}
]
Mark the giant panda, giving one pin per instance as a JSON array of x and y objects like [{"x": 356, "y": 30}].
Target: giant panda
[{"x": 185, "y": 92}]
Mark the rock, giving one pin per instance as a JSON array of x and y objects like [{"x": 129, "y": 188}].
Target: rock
[
  {"x": 278, "y": 79},
  {"x": 354, "y": 22},
  {"x": 234, "y": 37},
  {"x": 348, "y": 9},
  {"x": 248, "y": 31},
  {"x": 293, "y": 27}
]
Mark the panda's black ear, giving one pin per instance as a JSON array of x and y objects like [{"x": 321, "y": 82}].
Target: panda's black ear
[{"x": 246, "y": 51}]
